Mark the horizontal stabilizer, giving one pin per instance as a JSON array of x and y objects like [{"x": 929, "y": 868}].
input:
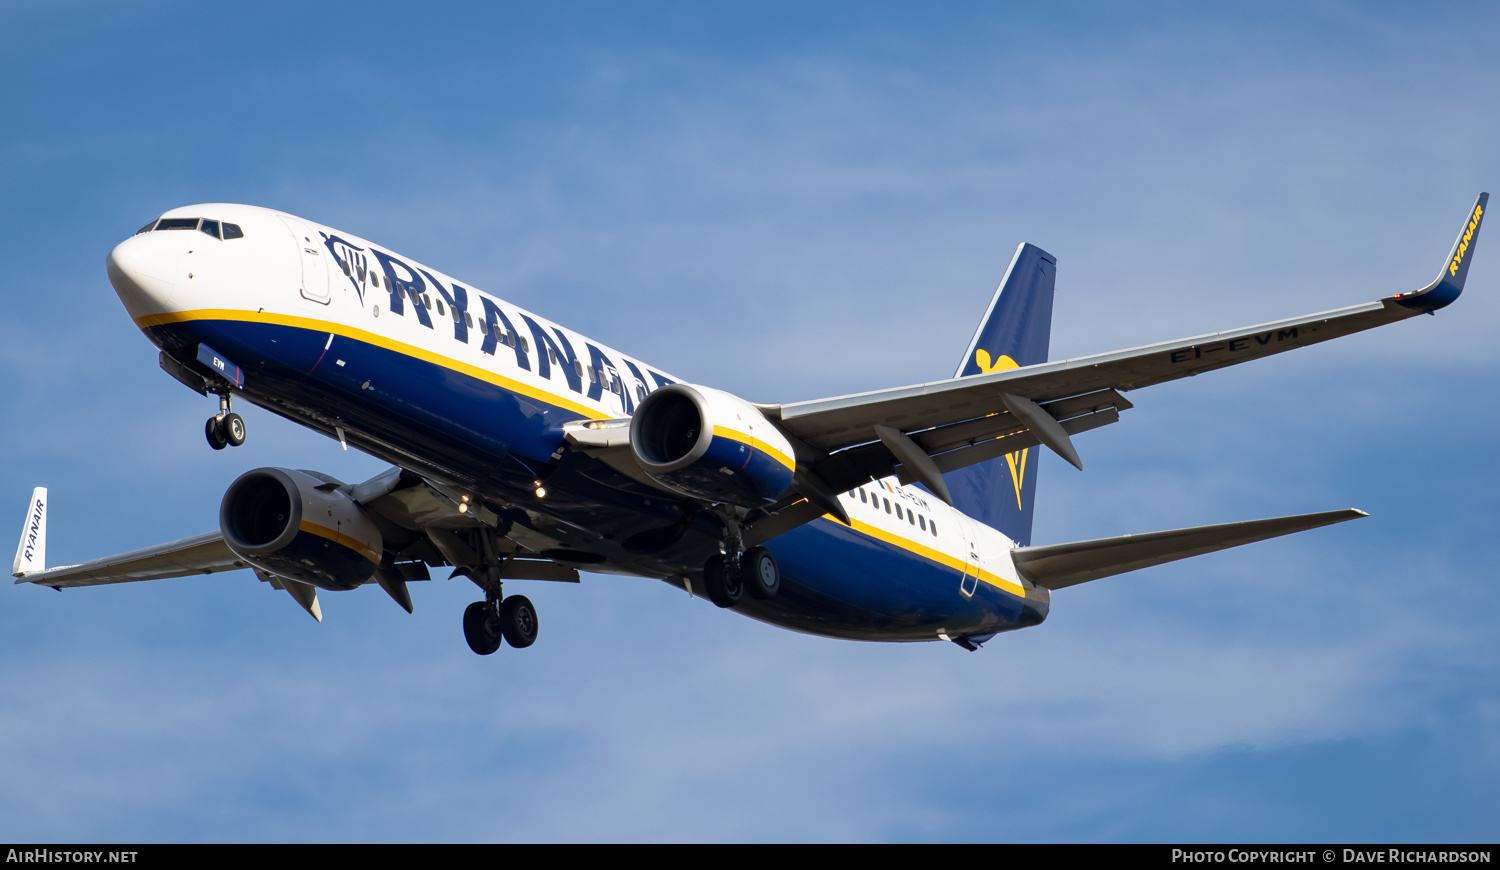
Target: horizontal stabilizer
[{"x": 1057, "y": 566}]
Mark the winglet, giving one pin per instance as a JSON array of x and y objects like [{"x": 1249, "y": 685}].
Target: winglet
[
  {"x": 1450, "y": 282},
  {"x": 31, "y": 552}
]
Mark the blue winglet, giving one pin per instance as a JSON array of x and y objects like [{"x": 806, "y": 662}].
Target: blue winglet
[{"x": 1450, "y": 282}]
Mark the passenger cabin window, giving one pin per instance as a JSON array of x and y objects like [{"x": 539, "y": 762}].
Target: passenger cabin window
[
  {"x": 887, "y": 505},
  {"x": 375, "y": 279},
  {"x": 210, "y": 227},
  {"x": 177, "y": 224},
  {"x": 922, "y": 523},
  {"x": 233, "y": 231},
  {"x": 932, "y": 527},
  {"x": 898, "y": 511}
]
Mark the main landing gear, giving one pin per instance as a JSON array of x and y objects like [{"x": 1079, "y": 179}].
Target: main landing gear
[
  {"x": 729, "y": 579},
  {"x": 226, "y": 428},
  {"x": 488, "y": 622}
]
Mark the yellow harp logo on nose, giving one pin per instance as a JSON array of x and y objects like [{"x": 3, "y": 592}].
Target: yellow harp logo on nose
[{"x": 1017, "y": 460}]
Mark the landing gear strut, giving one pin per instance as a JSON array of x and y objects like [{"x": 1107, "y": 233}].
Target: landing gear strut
[{"x": 226, "y": 428}]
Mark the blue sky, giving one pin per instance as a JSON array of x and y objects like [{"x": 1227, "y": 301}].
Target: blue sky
[{"x": 787, "y": 201}]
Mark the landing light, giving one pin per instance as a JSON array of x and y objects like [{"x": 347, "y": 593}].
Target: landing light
[{"x": 541, "y": 492}]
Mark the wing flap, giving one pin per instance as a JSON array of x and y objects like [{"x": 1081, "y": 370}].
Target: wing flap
[{"x": 1058, "y": 566}]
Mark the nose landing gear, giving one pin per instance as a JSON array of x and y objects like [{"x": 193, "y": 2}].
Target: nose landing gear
[{"x": 226, "y": 428}]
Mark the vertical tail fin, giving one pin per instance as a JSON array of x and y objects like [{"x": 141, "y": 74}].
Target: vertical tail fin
[
  {"x": 31, "y": 552},
  {"x": 1015, "y": 331}
]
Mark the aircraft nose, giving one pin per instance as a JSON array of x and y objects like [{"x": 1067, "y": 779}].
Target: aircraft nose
[{"x": 143, "y": 276}]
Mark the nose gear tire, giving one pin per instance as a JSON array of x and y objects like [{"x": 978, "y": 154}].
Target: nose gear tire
[
  {"x": 214, "y": 432},
  {"x": 234, "y": 430}
]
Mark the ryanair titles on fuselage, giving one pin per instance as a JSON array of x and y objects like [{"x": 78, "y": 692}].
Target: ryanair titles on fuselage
[{"x": 403, "y": 282}]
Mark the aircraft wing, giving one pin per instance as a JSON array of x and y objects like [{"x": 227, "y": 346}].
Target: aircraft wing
[
  {"x": 423, "y": 526},
  {"x": 1017, "y": 399},
  {"x": 201, "y": 554}
]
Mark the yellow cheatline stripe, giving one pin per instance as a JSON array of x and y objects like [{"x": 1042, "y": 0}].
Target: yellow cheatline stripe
[
  {"x": 755, "y": 444},
  {"x": 341, "y": 540},
  {"x": 356, "y": 334},
  {"x": 928, "y": 553}
]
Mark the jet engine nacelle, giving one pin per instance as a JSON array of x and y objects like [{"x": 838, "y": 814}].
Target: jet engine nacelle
[
  {"x": 294, "y": 525},
  {"x": 709, "y": 444}
]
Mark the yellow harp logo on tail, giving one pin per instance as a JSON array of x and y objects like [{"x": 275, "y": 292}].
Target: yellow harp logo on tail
[{"x": 1017, "y": 460}]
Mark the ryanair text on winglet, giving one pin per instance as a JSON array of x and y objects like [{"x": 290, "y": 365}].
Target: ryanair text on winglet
[
  {"x": 1233, "y": 345},
  {"x": 34, "y": 528},
  {"x": 1463, "y": 245}
]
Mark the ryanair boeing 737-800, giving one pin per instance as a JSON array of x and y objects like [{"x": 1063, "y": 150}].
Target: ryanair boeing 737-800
[{"x": 521, "y": 450}]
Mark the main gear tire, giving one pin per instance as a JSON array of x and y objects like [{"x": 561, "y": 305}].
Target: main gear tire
[
  {"x": 722, "y": 582},
  {"x": 761, "y": 577},
  {"x": 482, "y": 628},
  {"x": 518, "y": 621}
]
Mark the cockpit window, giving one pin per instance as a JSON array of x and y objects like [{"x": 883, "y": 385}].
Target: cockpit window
[{"x": 212, "y": 227}]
